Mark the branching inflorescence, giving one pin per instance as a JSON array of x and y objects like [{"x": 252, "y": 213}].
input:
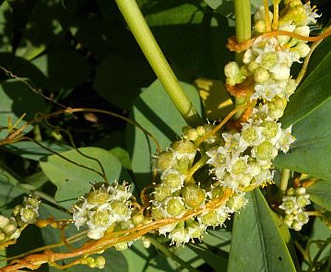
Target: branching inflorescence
[{"x": 203, "y": 177}]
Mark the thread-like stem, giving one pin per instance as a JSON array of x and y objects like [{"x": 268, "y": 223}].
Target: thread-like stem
[{"x": 144, "y": 37}]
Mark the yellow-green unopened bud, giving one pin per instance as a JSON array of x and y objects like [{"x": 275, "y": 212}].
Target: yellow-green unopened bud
[
  {"x": 193, "y": 196},
  {"x": 175, "y": 206},
  {"x": 233, "y": 73},
  {"x": 164, "y": 160}
]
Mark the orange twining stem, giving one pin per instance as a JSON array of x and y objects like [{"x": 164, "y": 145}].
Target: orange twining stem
[{"x": 234, "y": 46}]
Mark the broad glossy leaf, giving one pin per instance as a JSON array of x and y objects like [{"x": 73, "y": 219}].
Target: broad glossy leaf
[
  {"x": 309, "y": 153},
  {"x": 73, "y": 180},
  {"x": 32, "y": 151},
  {"x": 314, "y": 90},
  {"x": 320, "y": 193},
  {"x": 155, "y": 112},
  {"x": 17, "y": 99},
  {"x": 257, "y": 243}
]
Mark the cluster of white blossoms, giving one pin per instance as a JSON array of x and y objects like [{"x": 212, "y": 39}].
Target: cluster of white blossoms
[
  {"x": 239, "y": 159},
  {"x": 22, "y": 215},
  {"x": 293, "y": 204},
  {"x": 177, "y": 193},
  {"x": 105, "y": 208}
]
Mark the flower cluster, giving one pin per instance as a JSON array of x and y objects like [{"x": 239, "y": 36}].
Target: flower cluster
[
  {"x": 293, "y": 204},
  {"x": 22, "y": 215},
  {"x": 177, "y": 193},
  {"x": 105, "y": 207},
  {"x": 239, "y": 159}
]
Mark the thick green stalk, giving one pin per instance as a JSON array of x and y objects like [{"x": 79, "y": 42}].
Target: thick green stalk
[
  {"x": 157, "y": 60},
  {"x": 242, "y": 9}
]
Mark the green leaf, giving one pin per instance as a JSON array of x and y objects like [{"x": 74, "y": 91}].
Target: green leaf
[
  {"x": 319, "y": 233},
  {"x": 40, "y": 31},
  {"x": 74, "y": 72},
  {"x": 17, "y": 99},
  {"x": 120, "y": 90},
  {"x": 7, "y": 191},
  {"x": 257, "y": 243},
  {"x": 32, "y": 151},
  {"x": 155, "y": 112},
  {"x": 315, "y": 90},
  {"x": 72, "y": 180},
  {"x": 313, "y": 142},
  {"x": 216, "y": 261},
  {"x": 320, "y": 193}
]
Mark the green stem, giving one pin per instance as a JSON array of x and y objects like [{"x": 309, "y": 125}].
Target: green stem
[
  {"x": 242, "y": 9},
  {"x": 284, "y": 179},
  {"x": 157, "y": 60}
]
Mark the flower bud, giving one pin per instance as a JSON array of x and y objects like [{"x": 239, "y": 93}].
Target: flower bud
[
  {"x": 265, "y": 151},
  {"x": 175, "y": 206},
  {"x": 121, "y": 246},
  {"x": 270, "y": 129},
  {"x": 29, "y": 215},
  {"x": 164, "y": 160},
  {"x": 4, "y": 221},
  {"x": 302, "y": 48},
  {"x": 173, "y": 181},
  {"x": 233, "y": 73},
  {"x": 260, "y": 26},
  {"x": 98, "y": 196},
  {"x": 100, "y": 262},
  {"x": 261, "y": 75},
  {"x": 183, "y": 147},
  {"x": 276, "y": 107},
  {"x": 193, "y": 196}
]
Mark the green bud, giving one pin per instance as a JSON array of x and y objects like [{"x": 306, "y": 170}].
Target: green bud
[
  {"x": 183, "y": 147},
  {"x": 193, "y": 196},
  {"x": 121, "y": 246},
  {"x": 100, "y": 262},
  {"x": 249, "y": 135},
  {"x": 164, "y": 160},
  {"x": 162, "y": 192},
  {"x": 175, "y": 206},
  {"x": 120, "y": 208},
  {"x": 173, "y": 180},
  {"x": 269, "y": 60},
  {"x": 98, "y": 196},
  {"x": 233, "y": 73},
  {"x": 276, "y": 107},
  {"x": 10, "y": 229},
  {"x": 29, "y": 215},
  {"x": 265, "y": 151},
  {"x": 3, "y": 237},
  {"x": 100, "y": 218},
  {"x": 270, "y": 129},
  {"x": 239, "y": 167},
  {"x": 4, "y": 221}
]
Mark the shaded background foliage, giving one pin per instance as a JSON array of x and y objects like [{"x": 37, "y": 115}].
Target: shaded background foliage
[{"x": 81, "y": 54}]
